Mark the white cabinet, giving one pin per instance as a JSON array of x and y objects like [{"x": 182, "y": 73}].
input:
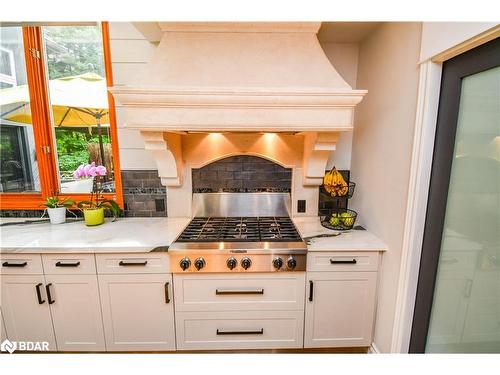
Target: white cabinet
[
  {"x": 132, "y": 263},
  {"x": 138, "y": 311},
  {"x": 239, "y": 311},
  {"x": 3, "y": 330},
  {"x": 339, "y": 309},
  {"x": 239, "y": 329},
  {"x": 62, "y": 308},
  {"x": 25, "y": 311},
  {"x": 76, "y": 312},
  {"x": 239, "y": 292}
]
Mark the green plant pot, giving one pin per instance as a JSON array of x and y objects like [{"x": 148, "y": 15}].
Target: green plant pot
[{"x": 94, "y": 216}]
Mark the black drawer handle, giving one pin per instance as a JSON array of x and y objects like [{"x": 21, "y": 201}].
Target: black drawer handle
[
  {"x": 39, "y": 294},
  {"x": 352, "y": 261},
  {"x": 7, "y": 264},
  {"x": 311, "y": 290},
  {"x": 243, "y": 332},
  {"x": 75, "y": 264},
  {"x": 49, "y": 297},
  {"x": 238, "y": 291},
  {"x": 124, "y": 263},
  {"x": 167, "y": 296}
]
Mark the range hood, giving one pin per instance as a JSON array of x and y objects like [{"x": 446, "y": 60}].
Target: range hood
[
  {"x": 239, "y": 77},
  {"x": 236, "y": 79}
]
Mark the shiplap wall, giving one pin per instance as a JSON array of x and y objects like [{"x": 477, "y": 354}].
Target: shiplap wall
[{"x": 130, "y": 52}]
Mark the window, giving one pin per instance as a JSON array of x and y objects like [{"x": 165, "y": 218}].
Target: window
[
  {"x": 18, "y": 162},
  {"x": 8, "y": 68},
  {"x": 56, "y": 113}
]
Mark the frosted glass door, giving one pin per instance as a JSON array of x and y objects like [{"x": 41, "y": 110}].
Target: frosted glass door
[{"x": 465, "y": 314}]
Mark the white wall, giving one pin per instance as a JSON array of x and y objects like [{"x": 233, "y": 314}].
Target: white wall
[
  {"x": 382, "y": 150},
  {"x": 437, "y": 37},
  {"x": 130, "y": 52}
]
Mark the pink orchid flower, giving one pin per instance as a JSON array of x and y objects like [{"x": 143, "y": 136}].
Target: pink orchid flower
[
  {"x": 100, "y": 170},
  {"x": 89, "y": 170}
]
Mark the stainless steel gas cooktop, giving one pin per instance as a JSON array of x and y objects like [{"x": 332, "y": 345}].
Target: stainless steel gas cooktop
[
  {"x": 240, "y": 229},
  {"x": 239, "y": 243}
]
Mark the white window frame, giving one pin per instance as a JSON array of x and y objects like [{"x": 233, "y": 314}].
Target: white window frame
[{"x": 5, "y": 78}]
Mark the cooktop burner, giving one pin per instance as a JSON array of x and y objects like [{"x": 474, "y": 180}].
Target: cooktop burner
[{"x": 236, "y": 229}]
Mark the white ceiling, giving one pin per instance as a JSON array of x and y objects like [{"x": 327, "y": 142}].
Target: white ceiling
[{"x": 346, "y": 32}]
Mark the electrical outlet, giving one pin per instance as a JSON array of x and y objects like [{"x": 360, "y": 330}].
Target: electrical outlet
[
  {"x": 301, "y": 205},
  {"x": 160, "y": 205}
]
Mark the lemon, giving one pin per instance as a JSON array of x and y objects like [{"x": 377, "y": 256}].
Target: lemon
[{"x": 334, "y": 220}]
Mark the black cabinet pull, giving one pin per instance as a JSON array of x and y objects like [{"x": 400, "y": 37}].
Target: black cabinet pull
[
  {"x": 7, "y": 264},
  {"x": 125, "y": 263},
  {"x": 75, "y": 264},
  {"x": 220, "y": 292},
  {"x": 352, "y": 261},
  {"x": 39, "y": 294},
  {"x": 167, "y": 296},
  {"x": 49, "y": 297},
  {"x": 311, "y": 290},
  {"x": 243, "y": 332}
]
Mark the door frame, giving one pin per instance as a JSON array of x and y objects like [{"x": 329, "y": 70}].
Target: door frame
[{"x": 479, "y": 59}]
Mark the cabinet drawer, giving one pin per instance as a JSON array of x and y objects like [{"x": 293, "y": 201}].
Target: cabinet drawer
[
  {"x": 132, "y": 263},
  {"x": 239, "y": 330},
  {"x": 221, "y": 292},
  {"x": 342, "y": 261},
  {"x": 21, "y": 264},
  {"x": 68, "y": 264}
]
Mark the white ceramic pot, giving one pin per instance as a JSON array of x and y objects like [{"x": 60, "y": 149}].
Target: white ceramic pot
[{"x": 57, "y": 215}]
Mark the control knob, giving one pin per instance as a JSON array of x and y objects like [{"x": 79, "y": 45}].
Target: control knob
[
  {"x": 185, "y": 263},
  {"x": 199, "y": 263},
  {"x": 231, "y": 263},
  {"x": 291, "y": 263},
  {"x": 246, "y": 263},
  {"x": 277, "y": 263}
]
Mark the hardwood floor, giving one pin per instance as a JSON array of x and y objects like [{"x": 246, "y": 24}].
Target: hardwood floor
[{"x": 361, "y": 350}]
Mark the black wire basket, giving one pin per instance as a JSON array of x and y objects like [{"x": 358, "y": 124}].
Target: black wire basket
[
  {"x": 340, "y": 219},
  {"x": 348, "y": 195}
]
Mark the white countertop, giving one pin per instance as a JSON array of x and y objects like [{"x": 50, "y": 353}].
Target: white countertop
[
  {"x": 358, "y": 240},
  {"x": 123, "y": 235},
  {"x": 144, "y": 234}
]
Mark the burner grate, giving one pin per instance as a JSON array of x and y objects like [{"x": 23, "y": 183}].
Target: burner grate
[{"x": 240, "y": 229}]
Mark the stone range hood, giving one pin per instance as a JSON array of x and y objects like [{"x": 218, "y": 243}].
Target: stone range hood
[{"x": 239, "y": 77}]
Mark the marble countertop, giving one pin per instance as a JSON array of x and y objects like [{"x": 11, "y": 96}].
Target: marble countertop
[
  {"x": 144, "y": 234},
  {"x": 358, "y": 240},
  {"x": 123, "y": 235}
]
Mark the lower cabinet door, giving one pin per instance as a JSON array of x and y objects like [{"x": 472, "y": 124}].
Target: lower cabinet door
[
  {"x": 3, "y": 331},
  {"x": 25, "y": 312},
  {"x": 76, "y": 312},
  {"x": 239, "y": 330},
  {"x": 339, "y": 309},
  {"x": 138, "y": 311}
]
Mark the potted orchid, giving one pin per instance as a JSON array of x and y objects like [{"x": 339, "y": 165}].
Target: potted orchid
[
  {"x": 93, "y": 209},
  {"x": 56, "y": 208}
]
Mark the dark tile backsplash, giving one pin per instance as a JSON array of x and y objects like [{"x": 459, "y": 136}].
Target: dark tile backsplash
[
  {"x": 242, "y": 174},
  {"x": 29, "y": 214},
  {"x": 143, "y": 194}
]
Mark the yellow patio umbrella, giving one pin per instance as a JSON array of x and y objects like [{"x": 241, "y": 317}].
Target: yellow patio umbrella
[{"x": 77, "y": 101}]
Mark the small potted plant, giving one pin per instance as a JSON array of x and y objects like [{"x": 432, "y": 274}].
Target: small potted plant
[
  {"x": 56, "y": 207},
  {"x": 93, "y": 209}
]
